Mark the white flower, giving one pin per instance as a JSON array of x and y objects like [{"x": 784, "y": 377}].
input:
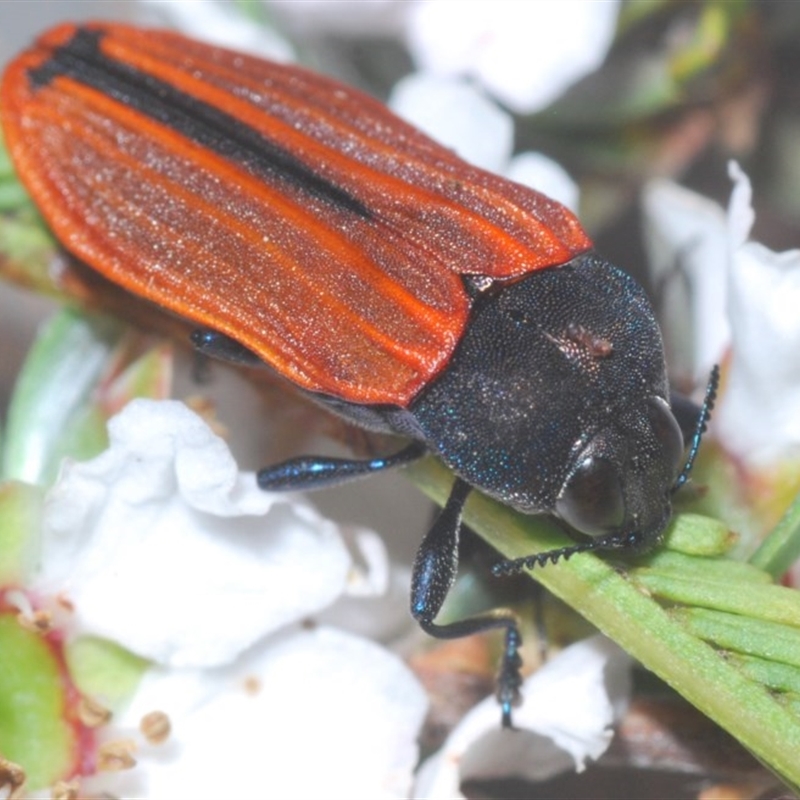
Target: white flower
[
  {"x": 760, "y": 418},
  {"x": 161, "y": 545},
  {"x": 544, "y": 175},
  {"x": 461, "y": 117},
  {"x": 218, "y": 23},
  {"x": 457, "y": 116},
  {"x": 309, "y": 713},
  {"x": 686, "y": 237},
  {"x": 744, "y": 301},
  {"x": 570, "y": 706},
  {"x": 525, "y": 54}
]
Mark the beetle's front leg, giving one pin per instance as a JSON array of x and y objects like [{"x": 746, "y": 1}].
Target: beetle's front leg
[{"x": 435, "y": 569}]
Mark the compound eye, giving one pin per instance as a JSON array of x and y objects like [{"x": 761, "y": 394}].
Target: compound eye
[
  {"x": 667, "y": 433},
  {"x": 591, "y": 500}
]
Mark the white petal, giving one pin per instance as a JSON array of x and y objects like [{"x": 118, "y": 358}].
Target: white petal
[
  {"x": 383, "y": 617},
  {"x": 758, "y": 417},
  {"x": 544, "y": 175},
  {"x": 457, "y": 116},
  {"x": 524, "y": 53},
  {"x": 743, "y": 297},
  {"x": 164, "y": 547},
  {"x": 686, "y": 237},
  {"x": 326, "y": 715},
  {"x": 740, "y": 209},
  {"x": 572, "y": 703},
  {"x": 370, "y": 575},
  {"x": 375, "y": 601},
  {"x": 221, "y": 24}
]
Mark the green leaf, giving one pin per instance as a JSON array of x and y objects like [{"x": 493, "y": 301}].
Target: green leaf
[
  {"x": 777, "y": 676},
  {"x": 34, "y": 730},
  {"x": 686, "y": 567},
  {"x": 782, "y": 547},
  {"x": 723, "y": 593},
  {"x": 697, "y": 535},
  {"x": 27, "y": 248},
  {"x": 756, "y": 637},
  {"x": 103, "y": 669}
]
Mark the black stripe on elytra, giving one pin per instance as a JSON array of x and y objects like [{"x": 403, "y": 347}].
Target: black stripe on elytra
[{"x": 81, "y": 59}]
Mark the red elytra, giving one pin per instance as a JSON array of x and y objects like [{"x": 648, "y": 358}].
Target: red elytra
[{"x": 339, "y": 261}]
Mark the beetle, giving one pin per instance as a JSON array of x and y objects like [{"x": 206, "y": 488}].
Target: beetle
[{"x": 303, "y": 227}]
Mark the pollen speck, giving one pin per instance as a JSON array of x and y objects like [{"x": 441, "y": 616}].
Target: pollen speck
[
  {"x": 12, "y": 777},
  {"x": 92, "y": 714},
  {"x": 40, "y": 622},
  {"x": 116, "y": 756},
  {"x": 65, "y": 790},
  {"x": 155, "y": 727}
]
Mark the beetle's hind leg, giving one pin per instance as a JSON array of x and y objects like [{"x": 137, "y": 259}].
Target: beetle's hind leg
[
  {"x": 214, "y": 344},
  {"x": 434, "y": 574}
]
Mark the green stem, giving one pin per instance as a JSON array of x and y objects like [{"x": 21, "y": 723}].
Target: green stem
[{"x": 610, "y": 600}]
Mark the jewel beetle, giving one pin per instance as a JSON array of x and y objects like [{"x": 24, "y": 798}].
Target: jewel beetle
[{"x": 300, "y": 225}]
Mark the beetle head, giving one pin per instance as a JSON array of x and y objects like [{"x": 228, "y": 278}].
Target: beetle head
[
  {"x": 615, "y": 493},
  {"x": 618, "y": 489}
]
